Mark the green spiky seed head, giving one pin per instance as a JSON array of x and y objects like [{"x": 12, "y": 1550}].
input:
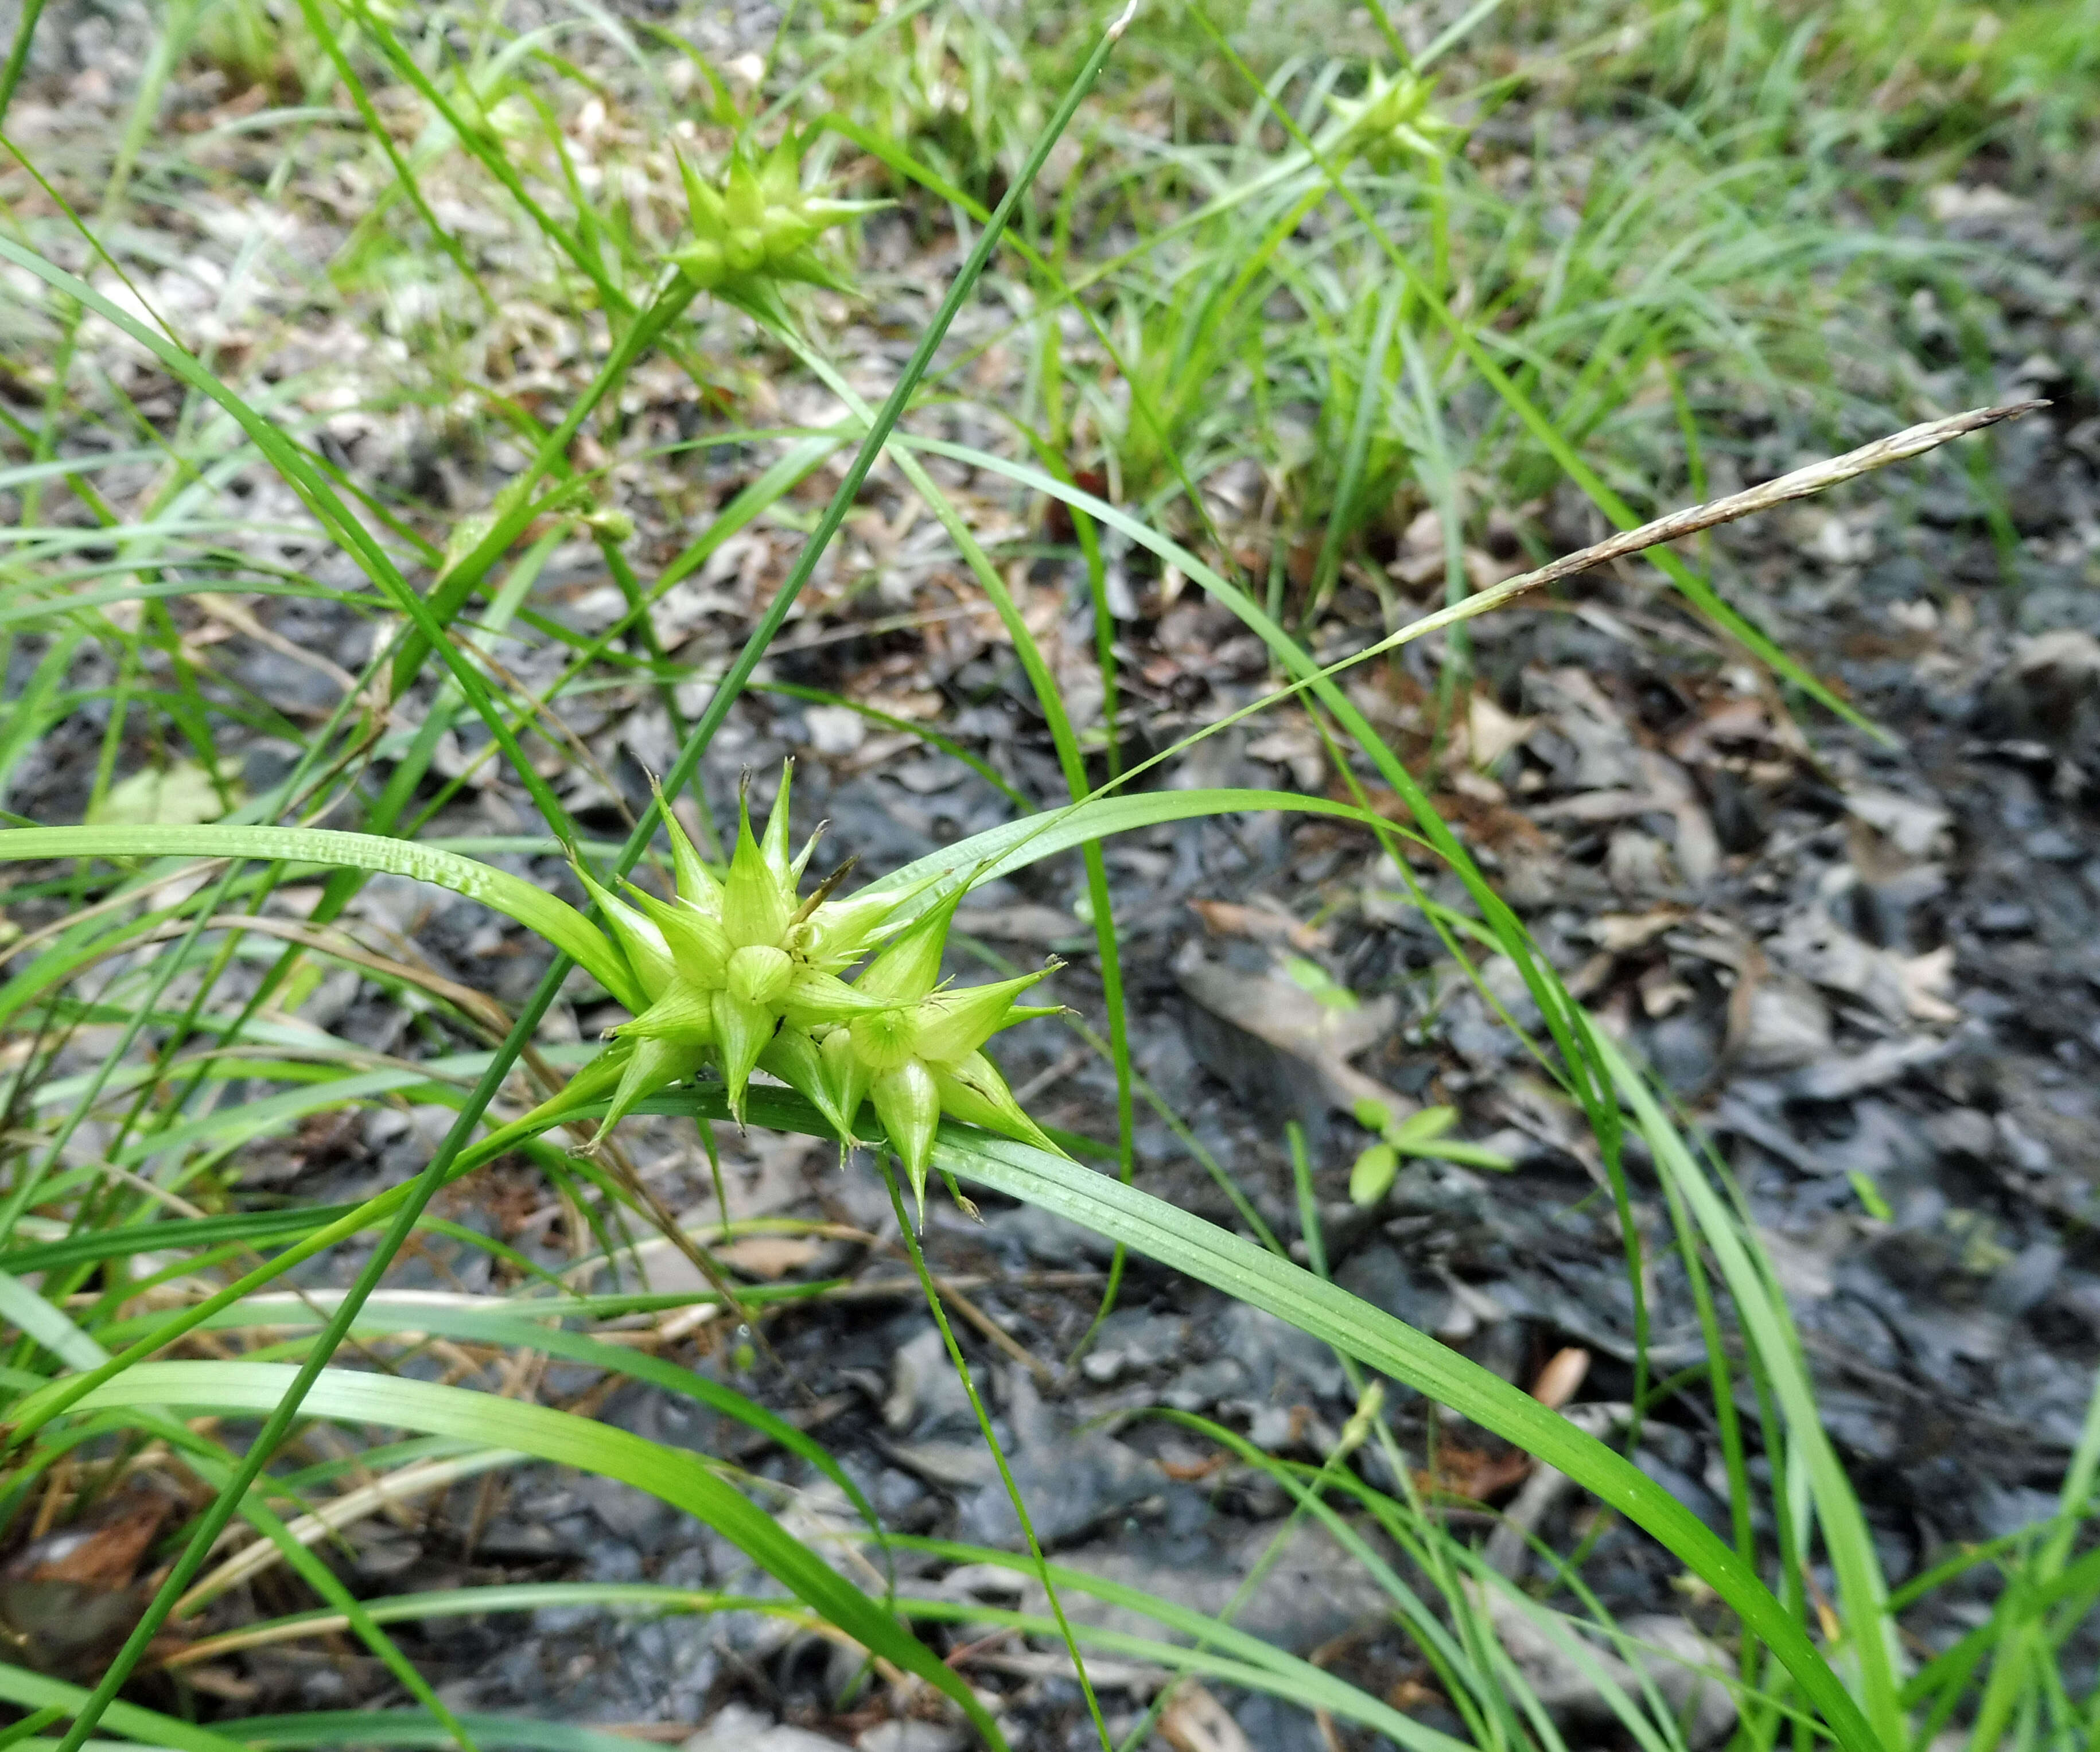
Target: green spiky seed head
[
  {"x": 1391, "y": 122},
  {"x": 755, "y": 223},
  {"x": 737, "y": 972}
]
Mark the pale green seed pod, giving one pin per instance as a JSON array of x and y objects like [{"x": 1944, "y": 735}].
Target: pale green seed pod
[
  {"x": 742, "y": 1031},
  {"x": 780, "y": 172},
  {"x": 705, "y": 205},
  {"x": 684, "y": 1013},
  {"x": 908, "y": 1103},
  {"x": 610, "y": 521},
  {"x": 761, "y": 975},
  {"x": 703, "y": 261},
  {"x": 655, "y": 1064},
  {"x": 744, "y": 201},
  {"x": 744, "y": 249},
  {"x": 884, "y": 1040},
  {"x": 785, "y": 232},
  {"x": 840, "y": 932},
  {"x": 910, "y": 967},
  {"x": 846, "y": 1073},
  {"x": 754, "y": 909},
  {"x": 952, "y": 1025},
  {"x": 814, "y": 997},
  {"x": 639, "y": 940},
  {"x": 697, "y": 885},
  {"x": 794, "y": 1058},
  {"x": 699, "y": 948},
  {"x": 975, "y": 1092}
]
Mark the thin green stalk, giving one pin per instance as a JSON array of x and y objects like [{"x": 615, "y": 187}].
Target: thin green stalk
[
  {"x": 318, "y": 24},
  {"x": 905, "y": 1228},
  {"x": 18, "y": 53}
]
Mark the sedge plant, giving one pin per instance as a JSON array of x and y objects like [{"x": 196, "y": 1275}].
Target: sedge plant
[{"x": 755, "y": 994}]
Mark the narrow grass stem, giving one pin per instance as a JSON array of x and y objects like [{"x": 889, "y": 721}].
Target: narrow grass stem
[{"x": 962, "y": 1368}]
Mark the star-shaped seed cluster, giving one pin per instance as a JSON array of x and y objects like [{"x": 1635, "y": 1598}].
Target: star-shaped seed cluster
[{"x": 741, "y": 973}]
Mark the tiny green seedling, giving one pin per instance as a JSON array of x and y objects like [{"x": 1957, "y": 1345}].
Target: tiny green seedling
[
  {"x": 1421, "y": 1133},
  {"x": 1870, "y": 1197},
  {"x": 1309, "y": 976}
]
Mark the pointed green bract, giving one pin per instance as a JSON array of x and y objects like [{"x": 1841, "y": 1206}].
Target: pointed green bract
[
  {"x": 907, "y": 1100},
  {"x": 774, "y": 844},
  {"x": 643, "y": 944},
  {"x": 685, "y": 1013},
  {"x": 699, "y": 947},
  {"x": 795, "y": 1058},
  {"x": 814, "y": 997},
  {"x": 755, "y": 908},
  {"x": 975, "y": 1092},
  {"x": 846, "y": 1073},
  {"x": 742, "y": 1031},
  {"x": 909, "y": 968},
  {"x": 697, "y": 886},
  {"x": 653, "y": 1065},
  {"x": 954, "y": 1024}
]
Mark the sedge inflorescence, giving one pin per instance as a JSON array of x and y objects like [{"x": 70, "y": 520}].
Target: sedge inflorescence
[
  {"x": 758, "y": 223},
  {"x": 1391, "y": 123},
  {"x": 741, "y": 973}
]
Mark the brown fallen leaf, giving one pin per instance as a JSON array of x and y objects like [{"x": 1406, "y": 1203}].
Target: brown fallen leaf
[
  {"x": 1196, "y": 1722},
  {"x": 1277, "y": 1010},
  {"x": 67, "y": 1601},
  {"x": 769, "y": 1257},
  {"x": 1271, "y": 925},
  {"x": 101, "y": 1550},
  {"x": 1562, "y": 1377},
  {"x": 1473, "y": 1474}
]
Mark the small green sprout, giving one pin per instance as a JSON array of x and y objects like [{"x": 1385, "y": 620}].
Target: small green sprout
[
  {"x": 1870, "y": 1197},
  {"x": 1309, "y": 975},
  {"x": 741, "y": 973},
  {"x": 759, "y": 223},
  {"x": 1370, "y": 1406},
  {"x": 1421, "y": 1133}
]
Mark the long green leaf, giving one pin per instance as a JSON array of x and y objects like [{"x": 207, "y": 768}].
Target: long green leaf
[
  {"x": 1863, "y": 1591},
  {"x": 37, "y": 1691},
  {"x": 532, "y": 907},
  {"x": 1186, "y": 1242},
  {"x": 675, "y": 1477}
]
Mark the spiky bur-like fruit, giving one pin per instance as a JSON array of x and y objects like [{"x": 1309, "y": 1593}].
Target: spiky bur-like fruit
[
  {"x": 741, "y": 973},
  {"x": 1390, "y": 124},
  {"x": 758, "y": 223}
]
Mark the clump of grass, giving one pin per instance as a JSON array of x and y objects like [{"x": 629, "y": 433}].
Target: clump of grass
[{"x": 1396, "y": 311}]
